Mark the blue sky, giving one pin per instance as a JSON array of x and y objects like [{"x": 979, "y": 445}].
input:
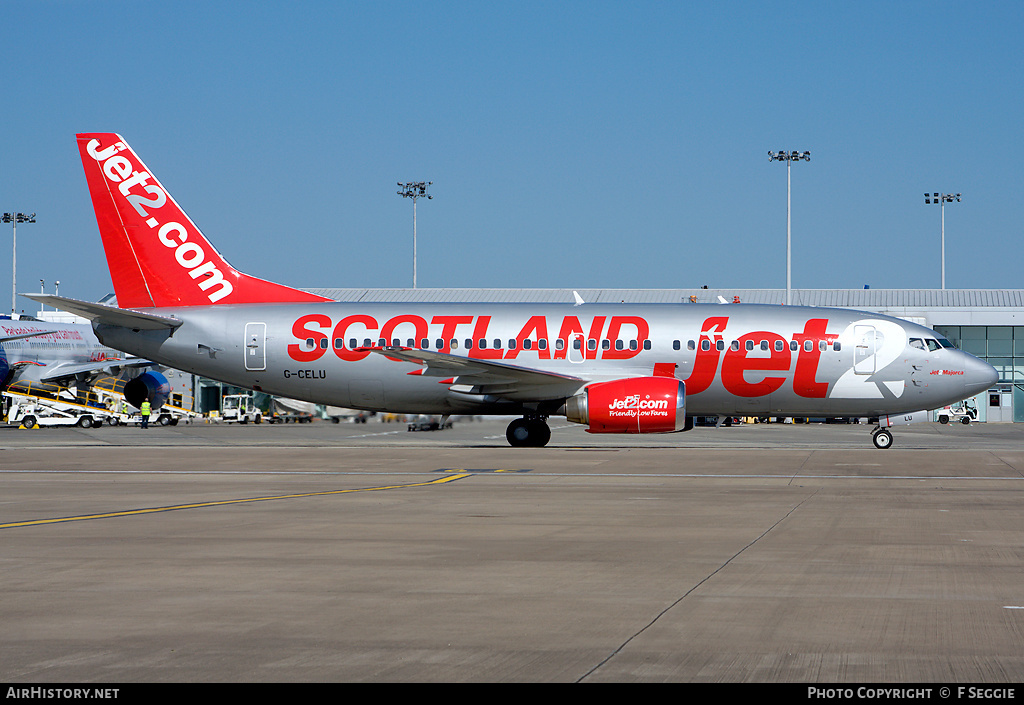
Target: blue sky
[{"x": 571, "y": 144}]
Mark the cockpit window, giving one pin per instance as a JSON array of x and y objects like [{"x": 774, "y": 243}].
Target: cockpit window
[
  {"x": 917, "y": 343},
  {"x": 932, "y": 344},
  {"x": 946, "y": 344}
]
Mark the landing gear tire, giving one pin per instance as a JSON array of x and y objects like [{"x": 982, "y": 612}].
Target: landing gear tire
[
  {"x": 528, "y": 433},
  {"x": 882, "y": 439}
]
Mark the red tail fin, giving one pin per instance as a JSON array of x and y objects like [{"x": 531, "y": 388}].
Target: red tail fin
[{"x": 156, "y": 254}]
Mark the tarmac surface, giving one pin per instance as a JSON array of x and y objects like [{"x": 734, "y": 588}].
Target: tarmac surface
[{"x": 364, "y": 552}]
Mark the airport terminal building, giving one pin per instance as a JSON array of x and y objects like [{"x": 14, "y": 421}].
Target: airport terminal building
[{"x": 988, "y": 323}]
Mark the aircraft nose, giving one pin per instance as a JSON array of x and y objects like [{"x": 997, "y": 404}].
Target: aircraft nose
[{"x": 978, "y": 375}]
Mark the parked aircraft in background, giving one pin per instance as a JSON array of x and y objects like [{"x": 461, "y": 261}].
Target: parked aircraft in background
[
  {"x": 615, "y": 368},
  {"x": 34, "y": 353}
]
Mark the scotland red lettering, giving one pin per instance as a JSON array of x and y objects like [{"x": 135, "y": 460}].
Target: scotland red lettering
[{"x": 753, "y": 364}]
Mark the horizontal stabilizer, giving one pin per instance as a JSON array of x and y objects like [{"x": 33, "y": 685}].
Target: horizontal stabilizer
[{"x": 110, "y": 315}]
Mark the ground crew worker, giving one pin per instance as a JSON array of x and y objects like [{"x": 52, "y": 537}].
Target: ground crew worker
[{"x": 145, "y": 409}]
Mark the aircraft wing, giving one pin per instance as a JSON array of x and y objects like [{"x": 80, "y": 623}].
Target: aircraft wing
[
  {"x": 485, "y": 376},
  {"x": 71, "y": 369},
  {"x": 22, "y": 336},
  {"x": 111, "y": 315}
]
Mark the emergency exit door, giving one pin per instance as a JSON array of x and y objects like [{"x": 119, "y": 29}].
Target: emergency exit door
[{"x": 255, "y": 343}]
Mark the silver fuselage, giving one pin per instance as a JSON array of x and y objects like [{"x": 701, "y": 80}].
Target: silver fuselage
[{"x": 741, "y": 359}]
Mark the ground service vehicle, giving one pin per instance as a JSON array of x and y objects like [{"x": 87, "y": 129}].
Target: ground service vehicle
[
  {"x": 963, "y": 411},
  {"x": 240, "y": 408}
]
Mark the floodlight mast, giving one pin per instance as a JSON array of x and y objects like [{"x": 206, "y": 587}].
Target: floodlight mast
[
  {"x": 942, "y": 199},
  {"x": 414, "y": 190},
  {"x": 14, "y": 219},
  {"x": 789, "y": 158}
]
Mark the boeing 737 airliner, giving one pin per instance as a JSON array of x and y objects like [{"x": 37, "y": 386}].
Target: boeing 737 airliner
[{"x": 618, "y": 368}]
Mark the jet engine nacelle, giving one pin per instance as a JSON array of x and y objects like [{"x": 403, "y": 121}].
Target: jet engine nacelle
[
  {"x": 151, "y": 385},
  {"x": 635, "y": 405}
]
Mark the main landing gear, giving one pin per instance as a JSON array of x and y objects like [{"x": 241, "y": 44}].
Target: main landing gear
[
  {"x": 881, "y": 438},
  {"x": 528, "y": 432}
]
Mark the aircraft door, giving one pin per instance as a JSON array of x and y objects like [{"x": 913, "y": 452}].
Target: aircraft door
[
  {"x": 864, "y": 349},
  {"x": 255, "y": 346}
]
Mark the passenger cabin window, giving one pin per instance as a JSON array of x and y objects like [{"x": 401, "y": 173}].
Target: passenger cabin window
[
  {"x": 705, "y": 344},
  {"x": 647, "y": 344}
]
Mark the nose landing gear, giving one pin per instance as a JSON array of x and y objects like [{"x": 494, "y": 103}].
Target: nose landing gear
[{"x": 528, "y": 432}]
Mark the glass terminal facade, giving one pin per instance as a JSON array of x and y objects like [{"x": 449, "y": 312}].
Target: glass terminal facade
[{"x": 1003, "y": 348}]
